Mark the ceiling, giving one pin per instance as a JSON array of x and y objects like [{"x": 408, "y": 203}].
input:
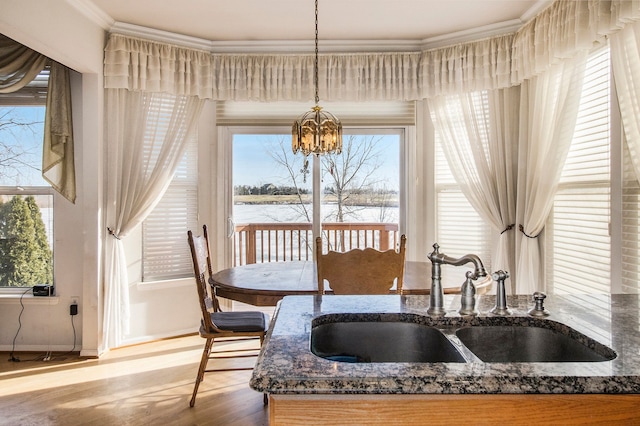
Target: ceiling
[{"x": 293, "y": 20}]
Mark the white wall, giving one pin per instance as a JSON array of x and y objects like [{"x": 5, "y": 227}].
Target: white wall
[{"x": 57, "y": 30}]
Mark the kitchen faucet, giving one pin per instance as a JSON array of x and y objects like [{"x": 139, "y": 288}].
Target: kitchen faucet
[{"x": 468, "y": 290}]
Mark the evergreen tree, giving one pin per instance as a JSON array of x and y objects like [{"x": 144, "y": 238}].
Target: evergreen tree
[
  {"x": 25, "y": 255},
  {"x": 44, "y": 256}
]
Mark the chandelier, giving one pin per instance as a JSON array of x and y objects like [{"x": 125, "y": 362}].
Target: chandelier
[{"x": 317, "y": 131}]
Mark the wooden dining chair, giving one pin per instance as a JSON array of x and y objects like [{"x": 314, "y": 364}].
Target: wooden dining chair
[
  {"x": 215, "y": 323},
  {"x": 361, "y": 271}
]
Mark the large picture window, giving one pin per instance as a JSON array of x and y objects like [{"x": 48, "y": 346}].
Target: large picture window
[
  {"x": 26, "y": 199},
  {"x": 358, "y": 193}
]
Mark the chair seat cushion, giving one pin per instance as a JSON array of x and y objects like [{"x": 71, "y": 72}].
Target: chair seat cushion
[{"x": 240, "y": 321}]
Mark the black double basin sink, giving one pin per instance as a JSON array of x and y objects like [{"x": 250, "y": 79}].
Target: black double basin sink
[{"x": 413, "y": 338}]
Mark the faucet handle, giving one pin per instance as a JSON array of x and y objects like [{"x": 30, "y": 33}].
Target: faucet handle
[
  {"x": 500, "y": 276},
  {"x": 501, "y": 307},
  {"x": 538, "y": 310}
]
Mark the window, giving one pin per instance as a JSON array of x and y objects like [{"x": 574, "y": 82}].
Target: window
[
  {"x": 630, "y": 227},
  {"x": 256, "y": 129},
  {"x": 273, "y": 195},
  {"x": 578, "y": 251},
  {"x": 26, "y": 199},
  {"x": 165, "y": 254},
  {"x": 459, "y": 228}
]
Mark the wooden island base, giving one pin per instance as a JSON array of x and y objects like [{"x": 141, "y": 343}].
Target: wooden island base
[{"x": 511, "y": 409}]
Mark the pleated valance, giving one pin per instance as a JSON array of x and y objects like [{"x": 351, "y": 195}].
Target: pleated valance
[
  {"x": 559, "y": 31},
  {"x": 563, "y": 29}
]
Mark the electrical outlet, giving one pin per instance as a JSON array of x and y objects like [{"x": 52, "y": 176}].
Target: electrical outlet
[{"x": 74, "y": 300}]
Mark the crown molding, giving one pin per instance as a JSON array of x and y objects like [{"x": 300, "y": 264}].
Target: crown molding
[
  {"x": 306, "y": 46},
  {"x": 88, "y": 9},
  {"x": 93, "y": 13},
  {"x": 535, "y": 10},
  {"x": 467, "y": 36}
]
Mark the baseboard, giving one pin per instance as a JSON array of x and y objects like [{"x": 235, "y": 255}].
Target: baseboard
[{"x": 38, "y": 348}]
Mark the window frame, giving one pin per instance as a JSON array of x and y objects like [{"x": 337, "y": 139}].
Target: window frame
[
  {"x": 570, "y": 185},
  {"x": 184, "y": 180},
  {"x": 32, "y": 95},
  {"x": 226, "y": 137}
]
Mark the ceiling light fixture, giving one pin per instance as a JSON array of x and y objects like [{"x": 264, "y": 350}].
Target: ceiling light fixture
[{"x": 317, "y": 131}]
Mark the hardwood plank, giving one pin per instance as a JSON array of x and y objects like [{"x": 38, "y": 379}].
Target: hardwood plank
[{"x": 137, "y": 385}]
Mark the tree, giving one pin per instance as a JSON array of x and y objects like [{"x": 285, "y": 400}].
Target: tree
[
  {"x": 296, "y": 174},
  {"x": 352, "y": 172},
  {"x": 25, "y": 256},
  {"x": 14, "y": 157}
]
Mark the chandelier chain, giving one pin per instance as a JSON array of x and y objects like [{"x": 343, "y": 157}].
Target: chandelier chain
[
  {"x": 315, "y": 67},
  {"x": 316, "y": 131}
]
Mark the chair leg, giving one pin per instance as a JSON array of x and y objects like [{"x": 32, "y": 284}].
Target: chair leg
[{"x": 203, "y": 366}]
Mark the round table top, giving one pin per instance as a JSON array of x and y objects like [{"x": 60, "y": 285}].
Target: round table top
[{"x": 263, "y": 284}]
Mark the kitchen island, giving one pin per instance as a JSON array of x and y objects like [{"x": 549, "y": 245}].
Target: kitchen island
[{"x": 308, "y": 389}]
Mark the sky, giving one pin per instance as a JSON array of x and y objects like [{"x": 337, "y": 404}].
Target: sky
[
  {"x": 252, "y": 154},
  {"x": 253, "y": 165},
  {"x": 27, "y": 141}
]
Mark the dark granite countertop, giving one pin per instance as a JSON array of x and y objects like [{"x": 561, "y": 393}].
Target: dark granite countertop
[{"x": 286, "y": 364}]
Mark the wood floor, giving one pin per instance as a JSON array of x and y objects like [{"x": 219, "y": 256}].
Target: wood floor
[{"x": 138, "y": 385}]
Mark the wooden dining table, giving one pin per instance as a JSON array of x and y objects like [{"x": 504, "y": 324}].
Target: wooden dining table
[{"x": 264, "y": 284}]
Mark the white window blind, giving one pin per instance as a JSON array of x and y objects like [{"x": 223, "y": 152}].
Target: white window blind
[
  {"x": 165, "y": 252},
  {"x": 459, "y": 228},
  {"x": 232, "y": 113},
  {"x": 578, "y": 251},
  {"x": 630, "y": 227}
]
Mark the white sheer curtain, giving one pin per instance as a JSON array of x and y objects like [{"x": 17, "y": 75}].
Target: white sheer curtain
[
  {"x": 625, "y": 58},
  {"x": 549, "y": 107},
  {"x": 480, "y": 131},
  {"x": 137, "y": 179}
]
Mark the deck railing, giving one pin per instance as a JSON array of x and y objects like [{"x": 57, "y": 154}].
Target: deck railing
[{"x": 278, "y": 242}]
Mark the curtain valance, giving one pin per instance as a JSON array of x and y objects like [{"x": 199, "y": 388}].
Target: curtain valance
[
  {"x": 564, "y": 29},
  {"x": 144, "y": 65},
  {"x": 353, "y": 77},
  {"x": 19, "y": 65},
  {"x": 467, "y": 67},
  {"x": 560, "y": 31}
]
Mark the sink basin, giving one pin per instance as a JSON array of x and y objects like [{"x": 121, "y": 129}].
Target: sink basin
[
  {"x": 366, "y": 338},
  {"x": 382, "y": 341},
  {"x": 517, "y": 343}
]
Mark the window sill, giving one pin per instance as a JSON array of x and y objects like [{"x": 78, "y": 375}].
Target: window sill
[
  {"x": 159, "y": 285},
  {"x": 28, "y": 299}
]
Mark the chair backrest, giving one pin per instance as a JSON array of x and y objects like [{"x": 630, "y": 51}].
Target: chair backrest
[
  {"x": 358, "y": 271},
  {"x": 201, "y": 265}
]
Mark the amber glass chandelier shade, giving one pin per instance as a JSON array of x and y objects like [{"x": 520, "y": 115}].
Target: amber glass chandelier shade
[{"x": 317, "y": 132}]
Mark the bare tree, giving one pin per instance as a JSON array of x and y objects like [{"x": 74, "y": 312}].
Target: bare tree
[
  {"x": 352, "y": 173},
  {"x": 296, "y": 170},
  {"x": 13, "y": 155}
]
